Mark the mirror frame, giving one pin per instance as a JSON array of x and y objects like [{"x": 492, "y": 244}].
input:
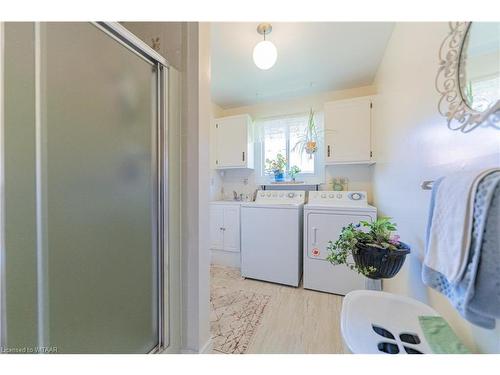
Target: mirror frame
[{"x": 460, "y": 116}]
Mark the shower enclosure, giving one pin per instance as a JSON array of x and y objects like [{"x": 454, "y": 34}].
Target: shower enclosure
[{"x": 84, "y": 191}]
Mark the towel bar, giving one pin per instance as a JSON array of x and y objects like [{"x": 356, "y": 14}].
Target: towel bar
[{"x": 427, "y": 185}]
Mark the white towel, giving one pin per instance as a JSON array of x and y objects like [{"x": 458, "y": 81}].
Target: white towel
[{"x": 451, "y": 226}]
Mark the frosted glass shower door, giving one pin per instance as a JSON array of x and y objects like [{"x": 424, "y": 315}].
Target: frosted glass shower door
[{"x": 98, "y": 257}]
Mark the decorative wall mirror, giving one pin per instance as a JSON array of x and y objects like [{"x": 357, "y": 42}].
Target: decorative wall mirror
[{"x": 469, "y": 76}]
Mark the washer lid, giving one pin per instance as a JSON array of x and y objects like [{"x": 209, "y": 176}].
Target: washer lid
[{"x": 280, "y": 205}]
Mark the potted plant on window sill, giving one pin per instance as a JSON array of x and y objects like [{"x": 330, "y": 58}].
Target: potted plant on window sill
[
  {"x": 294, "y": 171},
  {"x": 277, "y": 167},
  {"x": 377, "y": 253}
]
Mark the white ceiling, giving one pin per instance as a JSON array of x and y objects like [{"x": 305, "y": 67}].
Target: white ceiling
[{"x": 312, "y": 57}]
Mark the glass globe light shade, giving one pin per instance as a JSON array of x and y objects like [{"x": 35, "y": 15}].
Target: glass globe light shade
[{"x": 265, "y": 54}]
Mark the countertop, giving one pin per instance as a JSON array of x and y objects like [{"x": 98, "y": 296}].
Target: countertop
[{"x": 228, "y": 202}]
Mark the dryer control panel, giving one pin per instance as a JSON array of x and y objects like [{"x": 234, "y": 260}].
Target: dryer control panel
[{"x": 339, "y": 198}]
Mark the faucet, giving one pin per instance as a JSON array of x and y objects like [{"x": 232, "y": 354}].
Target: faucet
[{"x": 237, "y": 197}]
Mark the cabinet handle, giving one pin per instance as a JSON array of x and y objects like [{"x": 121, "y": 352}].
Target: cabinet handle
[
  {"x": 315, "y": 231},
  {"x": 328, "y": 151},
  {"x": 243, "y": 156}
]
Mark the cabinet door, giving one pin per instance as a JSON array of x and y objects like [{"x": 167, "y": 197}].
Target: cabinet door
[
  {"x": 231, "y": 142},
  {"x": 216, "y": 227},
  {"x": 348, "y": 131},
  {"x": 232, "y": 229}
]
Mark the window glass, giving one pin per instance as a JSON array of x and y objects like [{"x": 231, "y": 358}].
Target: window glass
[
  {"x": 301, "y": 159},
  {"x": 282, "y": 135}
]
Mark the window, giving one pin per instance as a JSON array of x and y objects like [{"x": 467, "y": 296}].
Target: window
[
  {"x": 483, "y": 91},
  {"x": 279, "y": 135}
]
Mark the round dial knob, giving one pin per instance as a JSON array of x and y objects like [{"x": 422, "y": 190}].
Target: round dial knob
[
  {"x": 330, "y": 195},
  {"x": 291, "y": 195},
  {"x": 355, "y": 196},
  {"x": 323, "y": 195}
]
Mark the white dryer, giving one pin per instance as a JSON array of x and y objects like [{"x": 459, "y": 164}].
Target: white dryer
[
  {"x": 325, "y": 214},
  {"x": 271, "y": 237}
]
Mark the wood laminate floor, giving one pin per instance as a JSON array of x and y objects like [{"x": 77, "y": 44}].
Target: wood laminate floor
[{"x": 295, "y": 320}]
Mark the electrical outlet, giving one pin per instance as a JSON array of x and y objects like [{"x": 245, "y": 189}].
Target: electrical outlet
[{"x": 340, "y": 183}]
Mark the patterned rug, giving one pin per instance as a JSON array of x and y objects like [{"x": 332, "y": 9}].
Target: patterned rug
[{"x": 235, "y": 315}]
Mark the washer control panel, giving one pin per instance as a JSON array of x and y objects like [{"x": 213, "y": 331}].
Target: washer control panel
[
  {"x": 338, "y": 198},
  {"x": 280, "y": 196}
]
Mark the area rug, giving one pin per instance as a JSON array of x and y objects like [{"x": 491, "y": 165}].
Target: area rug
[{"x": 235, "y": 315}]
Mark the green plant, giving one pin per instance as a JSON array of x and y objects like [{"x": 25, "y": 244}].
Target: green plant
[
  {"x": 372, "y": 234},
  {"x": 294, "y": 171},
  {"x": 308, "y": 140},
  {"x": 277, "y": 165}
]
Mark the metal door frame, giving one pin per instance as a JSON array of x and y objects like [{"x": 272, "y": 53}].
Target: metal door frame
[
  {"x": 136, "y": 45},
  {"x": 161, "y": 66}
]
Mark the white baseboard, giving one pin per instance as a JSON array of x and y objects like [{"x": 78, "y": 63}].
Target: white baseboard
[
  {"x": 171, "y": 350},
  {"x": 206, "y": 349},
  {"x": 225, "y": 258}
]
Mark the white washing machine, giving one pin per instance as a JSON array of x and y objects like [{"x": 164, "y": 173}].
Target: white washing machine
[
  {"x": 271, "y": 237},
  {"x": 325, "y": 214}
]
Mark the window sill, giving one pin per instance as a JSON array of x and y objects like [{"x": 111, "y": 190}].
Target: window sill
[{"x": 362, "y": 162}]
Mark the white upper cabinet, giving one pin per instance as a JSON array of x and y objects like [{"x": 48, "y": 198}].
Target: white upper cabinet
[
  {"x": 348, "y": 131},
  {"x": 234, "y": 142}
]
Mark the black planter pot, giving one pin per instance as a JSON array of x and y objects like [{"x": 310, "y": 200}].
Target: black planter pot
[{"x": 387, "y": 262}]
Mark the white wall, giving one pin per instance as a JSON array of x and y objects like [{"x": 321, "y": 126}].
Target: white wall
[
  {"x": 174, "y": 207},
  {"x": 413, "y": 144},
  {"x": 205, "y": 110},
  {"x": 169, "y": 34},
  {"x": 195, "y": 192},
  {"x": 215, "y": 178},
  {"x": 2, "y": 192},
  {"x": 243, "y": 181}
]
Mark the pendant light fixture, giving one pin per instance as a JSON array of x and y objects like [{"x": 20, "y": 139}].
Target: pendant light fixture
[{"x": 265, "y": 53}]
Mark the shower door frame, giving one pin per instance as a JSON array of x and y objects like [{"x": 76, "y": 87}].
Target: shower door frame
[{"x": 135, "y": 45}]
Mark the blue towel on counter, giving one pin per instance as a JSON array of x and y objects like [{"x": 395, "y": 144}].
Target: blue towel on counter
[{"x": 476, "y": 295}]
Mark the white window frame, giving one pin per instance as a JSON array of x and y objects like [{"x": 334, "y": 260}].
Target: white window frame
[{"x": 263, "y": 178}]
